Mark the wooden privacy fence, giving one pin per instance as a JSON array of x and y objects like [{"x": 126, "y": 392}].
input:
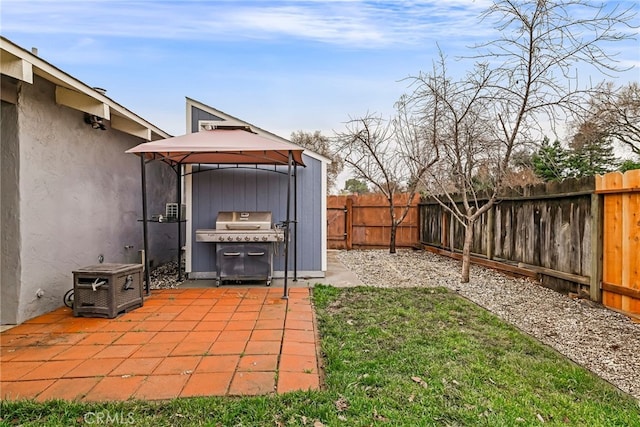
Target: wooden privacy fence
[
  {"x": 577, "y": 236},
  {"x": 363, "y": 221},
  {"x": 621, "y": 240},
  {"x": 544, "y": 229}
]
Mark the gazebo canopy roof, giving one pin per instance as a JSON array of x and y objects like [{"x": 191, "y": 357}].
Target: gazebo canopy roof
[{"x": 220, "y": 146}]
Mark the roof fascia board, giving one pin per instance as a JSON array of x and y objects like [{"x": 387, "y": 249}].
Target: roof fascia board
[
  {"x": 155, "y": 136},
  {"x": 227, "y": 117},
  {"x": 188, "y": 118}
]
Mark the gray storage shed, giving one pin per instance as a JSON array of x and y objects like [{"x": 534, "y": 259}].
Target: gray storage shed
[{"x": 239, "y": 189}]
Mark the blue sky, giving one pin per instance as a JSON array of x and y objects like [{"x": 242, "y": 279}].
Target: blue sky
[{"x": 281, "y": 65}]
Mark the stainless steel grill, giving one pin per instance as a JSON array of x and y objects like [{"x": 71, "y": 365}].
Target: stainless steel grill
[
  {"x": 241, "y": 227},
  {"x": 244, "y": 245}
]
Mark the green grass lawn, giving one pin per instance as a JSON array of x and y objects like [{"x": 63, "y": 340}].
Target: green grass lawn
[{"x": 409, "y": 357}]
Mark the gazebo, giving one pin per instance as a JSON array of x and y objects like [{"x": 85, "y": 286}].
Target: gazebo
[{"x": 236, "y": 145}]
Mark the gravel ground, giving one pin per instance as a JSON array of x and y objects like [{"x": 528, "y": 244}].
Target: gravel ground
[
  {"x": 601, "y": 340},
  {"x": 165, "y": 276}
]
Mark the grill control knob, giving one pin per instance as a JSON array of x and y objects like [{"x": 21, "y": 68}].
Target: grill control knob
[
  {"x": 229, "y": 238},
  {"x": 256, "y": 238},
  {"x": 221, "y": 238},
  {"x": 238, "y": 238},
  {"x": 264, "y": 238}
]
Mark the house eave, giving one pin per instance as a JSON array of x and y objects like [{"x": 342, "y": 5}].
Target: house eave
[{"x": 22, "y": 65}]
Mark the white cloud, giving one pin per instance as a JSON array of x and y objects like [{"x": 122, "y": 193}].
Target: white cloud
[
  {"x": 312, "y": 24},
  {"x": 348, "y": 23}
]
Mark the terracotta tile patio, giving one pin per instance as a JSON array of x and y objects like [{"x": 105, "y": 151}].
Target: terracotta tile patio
[{"x": 181, "y": 343}]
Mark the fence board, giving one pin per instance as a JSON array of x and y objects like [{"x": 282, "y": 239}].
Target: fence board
[
  {"x": 631, "y": 245},
  {"x": 612, "y": 238},
  {"x": 336, "y": 224}
]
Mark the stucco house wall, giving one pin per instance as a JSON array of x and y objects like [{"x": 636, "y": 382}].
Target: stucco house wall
[{"x": 70, "y": 197}]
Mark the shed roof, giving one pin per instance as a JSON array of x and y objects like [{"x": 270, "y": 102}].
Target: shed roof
[{"x": 229, "y": 120}]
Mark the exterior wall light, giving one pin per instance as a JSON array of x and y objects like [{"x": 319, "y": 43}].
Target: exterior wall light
[{"x": 95, "y": 121}]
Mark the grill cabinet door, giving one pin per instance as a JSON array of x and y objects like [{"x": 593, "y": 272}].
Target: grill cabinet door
[
  {"x": 257, "y": 262},
  {"x": 230, "y": 259}
]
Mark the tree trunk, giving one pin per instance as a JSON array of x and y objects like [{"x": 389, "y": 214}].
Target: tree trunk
[
  {"x": 466, "y": 252},
  {"x": 392, "y": 241}
]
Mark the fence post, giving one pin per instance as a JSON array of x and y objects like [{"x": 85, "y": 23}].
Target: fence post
[
  {"x": 490, "y": 233},
  {"x": 597, "y": 219},
  {"x": 348, "y": 229}
]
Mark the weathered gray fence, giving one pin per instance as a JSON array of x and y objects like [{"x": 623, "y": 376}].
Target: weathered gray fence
[{"x": 546, "y": 229}]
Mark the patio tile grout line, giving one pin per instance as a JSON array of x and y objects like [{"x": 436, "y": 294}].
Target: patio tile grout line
[
  {"x": 235, "y": 371},
  {"x": 316, "y": 343},
  {"x": 195, "y": 367},
  {"x": 284, "y": 329}
]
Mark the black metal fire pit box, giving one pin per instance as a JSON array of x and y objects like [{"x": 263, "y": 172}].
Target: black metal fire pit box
[{"x": 106, "y": 290}]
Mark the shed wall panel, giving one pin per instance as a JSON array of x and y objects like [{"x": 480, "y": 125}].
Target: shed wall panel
[
  {"x": 197, "y": 114},
  {"x": 235, "y": 189}
]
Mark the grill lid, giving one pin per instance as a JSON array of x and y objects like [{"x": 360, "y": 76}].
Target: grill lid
[{"x": 236, "y": 220}]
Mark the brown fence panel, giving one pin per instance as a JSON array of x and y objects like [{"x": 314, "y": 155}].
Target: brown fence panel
[
  {"x": 621, "y": 241},
  {"x": 364, "y": 222}
]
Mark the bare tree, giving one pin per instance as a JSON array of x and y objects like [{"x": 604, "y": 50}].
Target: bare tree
[
  {"x": 456, "y": 111},
  {"x": 522, "y": 79},
  {"x": 320, "y": 144},
  {"x": 615, "y": 113},
  {"x": 391, "y": 155}
]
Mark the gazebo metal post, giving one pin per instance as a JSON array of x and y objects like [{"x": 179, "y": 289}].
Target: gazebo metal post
[
  {"x": 295, "y": 222},
  {"x": 145, "y": 238},
  {"x": 286, "y": 228},
  {"x": 179, "y": 179}
]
